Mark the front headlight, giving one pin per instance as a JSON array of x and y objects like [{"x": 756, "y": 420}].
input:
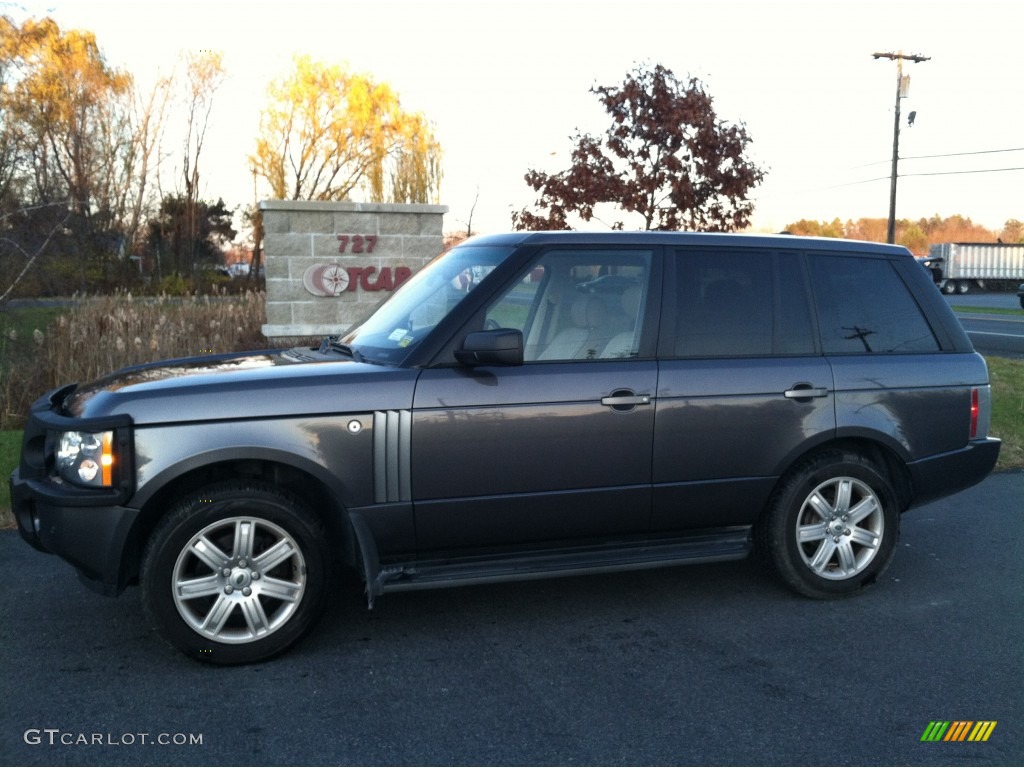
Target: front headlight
[{"x": 86, "y": 458}]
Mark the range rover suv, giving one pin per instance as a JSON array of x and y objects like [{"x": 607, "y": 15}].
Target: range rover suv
[{"x": 527, "y": 405}]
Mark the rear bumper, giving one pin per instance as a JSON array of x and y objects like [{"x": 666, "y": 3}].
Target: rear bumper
[
  {"x": 948, "y": 473},
  {"x": 92, "y": 538}
]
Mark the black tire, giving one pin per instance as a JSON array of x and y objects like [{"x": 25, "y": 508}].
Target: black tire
[
  {"x": 235, "y": 573},
  {"x": 831, "y": 527}
]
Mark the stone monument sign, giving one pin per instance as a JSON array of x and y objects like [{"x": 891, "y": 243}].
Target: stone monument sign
[{"x": 328, "y": 263}]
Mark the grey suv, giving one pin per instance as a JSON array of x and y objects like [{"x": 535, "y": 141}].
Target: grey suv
[{"x": 526, "y": 405}]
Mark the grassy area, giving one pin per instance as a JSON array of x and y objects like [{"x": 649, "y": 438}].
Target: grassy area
[
  {"x": 988, "y": 311},
  {"x": 17, "y": 327},
  {"x": 1007, "y": 378},
  {"x": 10, "y": 449},
  {"x": 18, "y": 330},
  {"x": 24, "y": 320}
]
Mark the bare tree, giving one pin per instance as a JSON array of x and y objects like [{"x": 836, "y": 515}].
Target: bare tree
[
  {"x": 204, "y": 75},
  {"x": 147, "y": 125}
]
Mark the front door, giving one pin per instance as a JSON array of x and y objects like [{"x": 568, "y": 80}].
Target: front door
[{"x": 555, "y": 450}]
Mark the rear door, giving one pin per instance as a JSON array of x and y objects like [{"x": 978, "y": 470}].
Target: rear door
[
  {"x": 558, "y": 449},
  {"x": 742, "y": 387}
]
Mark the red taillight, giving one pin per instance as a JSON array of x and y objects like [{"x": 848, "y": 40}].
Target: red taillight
[{"x": 975, "y": 409}]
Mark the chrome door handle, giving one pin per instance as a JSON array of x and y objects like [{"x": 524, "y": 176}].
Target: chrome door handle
[
  {"x": 623, "y": 401},
  {"x": 805, "y": 391},
  {"x": 614, "y": 400}
]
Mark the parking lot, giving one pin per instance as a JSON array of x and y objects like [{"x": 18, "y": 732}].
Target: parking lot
[{"x": 694, "y": 665}]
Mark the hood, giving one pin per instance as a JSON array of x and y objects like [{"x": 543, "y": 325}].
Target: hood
[{"x": 243, "y": 386}]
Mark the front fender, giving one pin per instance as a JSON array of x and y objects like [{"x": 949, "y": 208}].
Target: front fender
[{"x": 338, "y": 451}]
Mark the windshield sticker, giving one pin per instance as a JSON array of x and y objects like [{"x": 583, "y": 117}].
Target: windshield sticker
[
  {"x": 406, "y": 341},
  {"x": 398, "y": 334}
]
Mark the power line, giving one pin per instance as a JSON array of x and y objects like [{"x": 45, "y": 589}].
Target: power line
[
  {"x": 906, "y": 175},
  {"x": 957, "y": 173},
  {"x": 852, "y": 183},
  {"x": 948, "y": 154},
  {"x": 963, "y": 154},
  {"x": 923, "y": 173}
]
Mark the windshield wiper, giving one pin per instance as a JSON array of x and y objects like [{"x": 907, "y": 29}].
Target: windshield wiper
[
  {"x": 332, "y": 343},
  {"x": 345, "y": 349}
]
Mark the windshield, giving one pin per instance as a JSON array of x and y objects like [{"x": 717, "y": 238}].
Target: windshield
[{"x": 402, "y": 321}]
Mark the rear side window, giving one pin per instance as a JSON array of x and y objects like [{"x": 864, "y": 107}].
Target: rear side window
[
  {"x": 741, "y": 303},
  {"x": 864, "y": 307}
]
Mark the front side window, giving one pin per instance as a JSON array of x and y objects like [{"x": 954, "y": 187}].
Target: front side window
[
  {"x": 865, "y": 308},
  {"x": 401, "y": 322},
  {"x": 578, "y": 305}
]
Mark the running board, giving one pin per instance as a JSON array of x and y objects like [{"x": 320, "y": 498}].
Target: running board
[{"x": 732, "y": 544}]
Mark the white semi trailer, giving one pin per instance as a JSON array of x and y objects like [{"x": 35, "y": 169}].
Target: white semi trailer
[{"x": 957, "y": 267}]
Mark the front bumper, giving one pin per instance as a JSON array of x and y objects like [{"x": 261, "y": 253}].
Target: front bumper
[
  {"x": 89, "y": 527},
  {"x": 94, "y": 539}
]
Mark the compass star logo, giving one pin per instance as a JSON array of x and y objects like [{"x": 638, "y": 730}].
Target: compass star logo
[
  {"x": 326, "y": 279},
  {"x": 334, "y": 279}
]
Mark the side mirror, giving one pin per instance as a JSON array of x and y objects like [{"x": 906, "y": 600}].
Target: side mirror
[{"x": 503, "y": 346}]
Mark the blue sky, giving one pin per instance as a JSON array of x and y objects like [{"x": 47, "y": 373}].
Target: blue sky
[{"x": 507, "y": 83}]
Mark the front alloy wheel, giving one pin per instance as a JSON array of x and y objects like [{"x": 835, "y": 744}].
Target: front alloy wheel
[
  {"x": 832, "y": 525},
  {"x": 235, "y": 573},
  {"x": 239, "y": 579}
]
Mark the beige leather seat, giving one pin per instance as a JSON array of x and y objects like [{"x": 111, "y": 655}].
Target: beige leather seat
[{"x": 587, "y": 335}]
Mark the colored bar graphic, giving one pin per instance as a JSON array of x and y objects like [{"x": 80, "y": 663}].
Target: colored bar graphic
[
  {"x": 982, "y": 730},
  {"x": 958, "y": 730},
  {"x": 935, "y": 731}
]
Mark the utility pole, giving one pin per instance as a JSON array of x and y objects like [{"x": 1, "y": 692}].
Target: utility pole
[{"x": 902, "y": 87}]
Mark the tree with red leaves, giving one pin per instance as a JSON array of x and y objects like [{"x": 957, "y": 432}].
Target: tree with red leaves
[{"x": 666, "y": 156}]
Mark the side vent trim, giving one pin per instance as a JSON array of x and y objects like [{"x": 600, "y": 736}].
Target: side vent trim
[{"x": 392, "y": 457}]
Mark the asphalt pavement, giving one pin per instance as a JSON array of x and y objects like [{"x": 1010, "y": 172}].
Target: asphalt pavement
[
  {"x": 698, "y": 665},
  {"x": 987, "y": 299}
]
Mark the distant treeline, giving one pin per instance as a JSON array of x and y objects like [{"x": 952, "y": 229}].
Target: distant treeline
[{"x": 917, "y": 236}]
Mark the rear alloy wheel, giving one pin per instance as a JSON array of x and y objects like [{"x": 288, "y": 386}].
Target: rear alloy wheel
[
  {"x": 832, "y": 526},
  {"x": 235, "y": 573}
]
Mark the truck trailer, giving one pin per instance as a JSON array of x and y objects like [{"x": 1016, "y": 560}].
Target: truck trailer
[{"x": 957, "y": 267}]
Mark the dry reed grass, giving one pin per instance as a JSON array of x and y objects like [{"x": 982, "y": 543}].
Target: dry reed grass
[{"x": 103, "y": 333}]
